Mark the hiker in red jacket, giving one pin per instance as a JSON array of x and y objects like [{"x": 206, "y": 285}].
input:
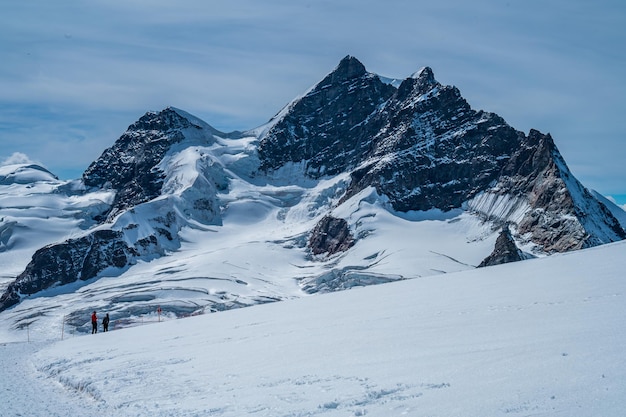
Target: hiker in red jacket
[{"x": 94, "y": 323}]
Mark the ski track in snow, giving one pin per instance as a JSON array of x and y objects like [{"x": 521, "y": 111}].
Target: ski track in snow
[
  {"x": 40, "y": 395},
  {"x": 27, "y": 392}
]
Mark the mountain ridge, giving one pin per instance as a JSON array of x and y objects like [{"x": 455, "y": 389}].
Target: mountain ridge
[{"x": 351, "y": 151}]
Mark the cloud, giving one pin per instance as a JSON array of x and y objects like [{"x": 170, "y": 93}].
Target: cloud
[{"x": 16, "y": 158}]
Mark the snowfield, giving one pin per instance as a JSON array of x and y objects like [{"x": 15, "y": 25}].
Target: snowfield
[{"x": 540, "y": 337}]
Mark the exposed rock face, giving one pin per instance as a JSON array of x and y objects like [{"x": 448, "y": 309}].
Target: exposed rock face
[
  {"x": 421, "y": 144},
  {"x": 562, "y": 215},
  {"x": 433, "y": 150},
  {"x": 330, "y": 235},
  {"x": 323, "y": 127},
  {"x": 505, "y": 251},
  {"x": 76, "y": 259}
]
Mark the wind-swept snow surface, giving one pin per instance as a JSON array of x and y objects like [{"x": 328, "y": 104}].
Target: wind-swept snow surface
[{"x": 539, "y": 337}]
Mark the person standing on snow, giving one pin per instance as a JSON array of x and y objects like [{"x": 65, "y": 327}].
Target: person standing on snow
[
  {"x": 105, "y": 323},
  {"x": 94, "y": 323}
]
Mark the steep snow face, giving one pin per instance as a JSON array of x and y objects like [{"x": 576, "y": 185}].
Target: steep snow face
[
  {"x": 618, "y": 212},
  {"x": 592, "y": 213}
]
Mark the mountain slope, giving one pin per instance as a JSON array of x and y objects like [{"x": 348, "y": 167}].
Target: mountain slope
[
  {"x": 37, "y": 209},
  {"x": 540, "y": 337},
  {"x": 311, "y": 199},
  {"x": 323, "y": 127}
]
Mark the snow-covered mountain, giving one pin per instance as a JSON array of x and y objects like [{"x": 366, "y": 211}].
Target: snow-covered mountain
[
  {"x": 358, "y": 181},
  {"x": 423, "y": 147},
  {"x": 24, "y": 174}
]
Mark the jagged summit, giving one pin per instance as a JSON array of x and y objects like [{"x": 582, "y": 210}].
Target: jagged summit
[
  {"x": 421, "y": 82},
  {"x": 349, "y": 67},
  {"x": 425, "y": 73},
  {"x": 132, "y": 164},
  {"x": 164, "y": 120},
  {"x": 322, "y": 127}
]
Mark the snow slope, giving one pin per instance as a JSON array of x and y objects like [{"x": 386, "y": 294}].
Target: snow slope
[
  {"x": 258, "y": 254},
  {"x": 538, "y": 337},
  {"x": 240, "y": 264},
  {"x": 36, "y": 209}
]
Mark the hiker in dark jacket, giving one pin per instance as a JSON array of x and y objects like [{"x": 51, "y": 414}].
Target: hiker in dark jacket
[
  {"x": 105, "y": 323},
  {"x": 94, "y": 323}
]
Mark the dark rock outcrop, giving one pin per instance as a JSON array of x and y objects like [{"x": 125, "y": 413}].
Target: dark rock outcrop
[
  {"x": 561, "y": 211},
  {"x": 330, "y": 235},
  {"x": 76, "y": 259},
  {"x": 505, "y": 251}
]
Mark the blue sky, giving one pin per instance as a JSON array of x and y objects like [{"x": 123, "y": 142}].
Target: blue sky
[{"x": 74, "y": 74}]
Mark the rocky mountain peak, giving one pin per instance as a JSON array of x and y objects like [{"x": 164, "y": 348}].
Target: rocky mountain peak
[
  {"x": 163, "y": 121},
  {"x": 421, "y": 81},
  {"x": 424, "y": 73},
  {"x": 422, "y": 146},
  {"x": 130, "y": 166},
  {"x": 349, "y": 67},
  {"x": 322, "y": 128}
]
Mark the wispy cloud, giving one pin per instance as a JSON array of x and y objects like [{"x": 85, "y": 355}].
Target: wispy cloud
[{"x": 16, "y": 158}]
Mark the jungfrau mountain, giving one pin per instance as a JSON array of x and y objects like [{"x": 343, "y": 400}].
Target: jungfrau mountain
[{"x": 359, "y": 181}]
